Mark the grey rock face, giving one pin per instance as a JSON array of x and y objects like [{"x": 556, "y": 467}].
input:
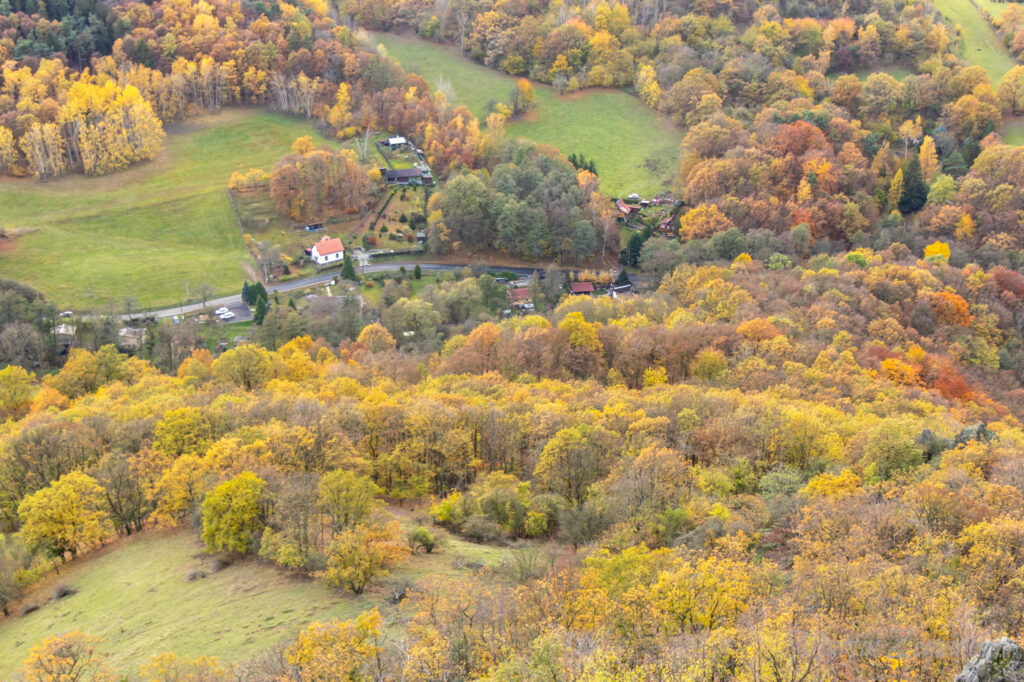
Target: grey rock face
[{"x": 998, "y": 661}]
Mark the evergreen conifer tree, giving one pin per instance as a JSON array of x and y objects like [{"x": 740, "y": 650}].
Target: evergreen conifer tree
[
  {"x": 260, "y": 312},
  {"x": 915, "y": 192},
  {"x": 348, "y": 270}
]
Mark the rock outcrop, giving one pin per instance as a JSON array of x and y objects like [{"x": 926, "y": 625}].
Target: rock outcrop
[{"x": 998, "y": 661}]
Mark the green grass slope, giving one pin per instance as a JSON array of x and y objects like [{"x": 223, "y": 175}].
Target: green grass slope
[
  {"x": 995, "y": 8},
  {"x": 89, "y": 242},
  {"x": 135, "y": 597},
  {"x": 981, "y": 44},
  {"x": 1013, "y": 130},
  {"x": 634, "y": 149}
]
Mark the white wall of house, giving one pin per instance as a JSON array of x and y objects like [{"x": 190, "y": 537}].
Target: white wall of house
[{"x": 325, "y": 259}]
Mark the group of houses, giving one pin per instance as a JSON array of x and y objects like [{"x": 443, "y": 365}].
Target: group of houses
[
  {"x": 520, "y": 295},
  {"x": 632, "y": 207},
  {"x": 129, "y": 339}
]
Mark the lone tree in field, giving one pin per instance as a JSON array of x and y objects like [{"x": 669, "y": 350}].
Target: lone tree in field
[
  {"x": 234, "y": 513},
  {"x": 523, "y": 97},
  {"x": 70, "y": 656}
]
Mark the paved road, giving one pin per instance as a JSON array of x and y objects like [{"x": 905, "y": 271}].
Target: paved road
[{"x": 284, "y": 287}]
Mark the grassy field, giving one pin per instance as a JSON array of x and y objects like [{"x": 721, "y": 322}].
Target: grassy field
[
  {"x": 635, "y": 150},
  {"x": 89, "y": 242},
  {"x": 1013, "y": 130},
  {"x": 134, "y": 596},
  {"x": 900, "y": 73},
  {"x": 995, "y": 8},
  {"x": 981, "y": 44}
]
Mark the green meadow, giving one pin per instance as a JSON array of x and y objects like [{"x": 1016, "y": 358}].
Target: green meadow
[
  {"x": 981, "y": 45},
  {"x": 135, "y": 597},
  {"x": 994, "y": 8},
  {"x": 90, "y": 242},
  {"x": 635, "y": 150}
]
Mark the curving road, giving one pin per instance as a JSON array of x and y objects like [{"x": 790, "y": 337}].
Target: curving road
[{"x": 293, "y": 285}]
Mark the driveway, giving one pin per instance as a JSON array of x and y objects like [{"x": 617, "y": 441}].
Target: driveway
[{"x": 241, "y": 311}]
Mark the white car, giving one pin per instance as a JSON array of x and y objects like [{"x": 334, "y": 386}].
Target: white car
[
  {"x": 226, "y": 316},
  {"x": 221, "y": 311}
]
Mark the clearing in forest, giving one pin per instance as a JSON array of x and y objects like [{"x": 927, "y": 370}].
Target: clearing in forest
[
  {"x": 90, "y": 242},
  {"x": 981, "y": 45},
  {"x": 634, "y": 149},
  {"x": 136, "y": 596}
]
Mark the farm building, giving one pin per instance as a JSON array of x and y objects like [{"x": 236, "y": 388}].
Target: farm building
[
  {"x": 617, "y": 290},
  {"x": 626, "y": 209},
  {"x": 327, "y": 250},
  {"x": 406, "y": 176},
  {"x": 519, "y": 296},
  {"x": 131, "y": 338}
]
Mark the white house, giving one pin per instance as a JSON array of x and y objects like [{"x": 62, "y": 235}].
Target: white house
[
  {"x": 327, "y": 250},
  {"x": 396, "y": 141}
]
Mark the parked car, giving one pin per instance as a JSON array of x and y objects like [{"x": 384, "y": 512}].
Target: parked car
[
  {"x": 226, "y": 316},
  {"x": 222, "y": 310}
]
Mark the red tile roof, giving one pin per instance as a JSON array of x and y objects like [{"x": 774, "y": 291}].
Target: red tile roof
[
  {"x": 329, "y": 245},
  {"x": 519, "y": 295},
  {"x": 582, "y": 287},
  {"x": 627, "y": 208}
]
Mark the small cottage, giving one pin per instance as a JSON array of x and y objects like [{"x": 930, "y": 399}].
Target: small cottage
[{"x": 326, "y": 251}]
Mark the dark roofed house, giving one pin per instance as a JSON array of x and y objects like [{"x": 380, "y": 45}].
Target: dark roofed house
[
  {"x": 578, "y": 288},
  {"x": 401, "y": 176}
]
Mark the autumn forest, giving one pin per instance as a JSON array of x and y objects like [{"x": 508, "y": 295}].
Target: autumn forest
[{"x": 762, "y": 424}]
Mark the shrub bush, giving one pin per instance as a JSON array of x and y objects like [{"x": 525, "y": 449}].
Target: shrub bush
[
  {"x": 421, "y": 538},
  {"x": 480, "y": 528}
]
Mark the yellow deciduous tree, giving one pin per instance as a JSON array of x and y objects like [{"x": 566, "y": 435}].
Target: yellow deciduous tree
[
  {"x": 703, "y": 595},
  {"x": 929, "y": 157},
  {"x": 234, "y": 514},
  {"x": 337, "y": 650},
  {"x": 376, "y": 338},
  {"x": 168, "y": 667},
  {"x": 937, "y": 249},
  {"x": 247, "y": 366},
  {"x": 16, "y": 391},
  {"x": 71, "y": 657},
  {"x": 575, "y": 459},
  {"x": 703, "y": 221},
  {"x": 65, "y": 516},
  {"x": 896, "y": 189},
  {"x": 360, "y": 554},
  {"x": 347, "y": 498},
  {"x": 647, "y": 86}
]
